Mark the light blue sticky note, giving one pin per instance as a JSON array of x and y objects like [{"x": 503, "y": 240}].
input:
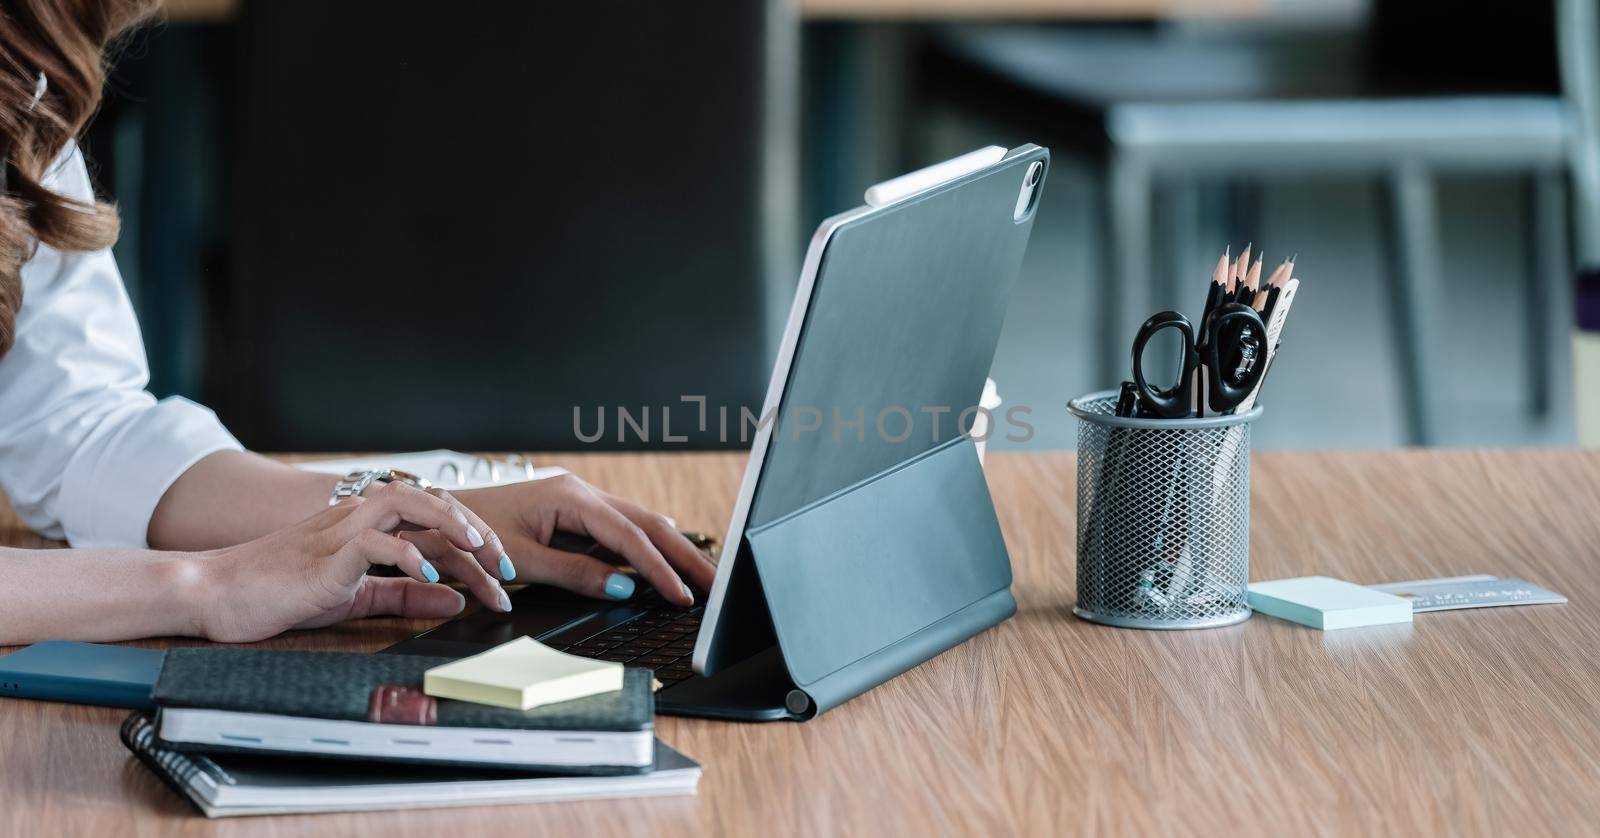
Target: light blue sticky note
[{"x": 1327, "y": 604}]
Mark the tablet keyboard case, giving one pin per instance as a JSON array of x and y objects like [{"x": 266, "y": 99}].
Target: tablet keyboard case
[{"x": 899, "y": 539}]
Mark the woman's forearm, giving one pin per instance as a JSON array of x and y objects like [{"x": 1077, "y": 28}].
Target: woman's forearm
[
  {"x": 231, "y": 497},
  {"x": 99, "y": 595}
]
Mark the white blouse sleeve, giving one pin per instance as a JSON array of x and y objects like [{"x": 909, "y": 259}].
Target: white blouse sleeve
[{"x": 85, "y": 452}]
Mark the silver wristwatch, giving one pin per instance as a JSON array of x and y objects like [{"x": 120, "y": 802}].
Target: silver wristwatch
[{"x": 357, "y": 482}]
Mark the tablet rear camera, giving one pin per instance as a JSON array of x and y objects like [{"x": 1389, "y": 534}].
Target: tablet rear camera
[{"x": 1028, "y": 194}]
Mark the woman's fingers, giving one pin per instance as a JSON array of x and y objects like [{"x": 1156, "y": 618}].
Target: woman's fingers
[
  {"x": 459, "y": 565},
  {"x": 370, "y": 547},
  {"x": 404, "y": 598},
  {"x": 394, "y": 504},
  {"x": 491, "y": 555},
  {"x": 690, "y": 562},
  {"x": 602, "y": 522},
  {"x": 578, "y": 573}
]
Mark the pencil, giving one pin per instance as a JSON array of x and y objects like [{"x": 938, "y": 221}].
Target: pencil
[
  {"x": 1264, "y": 292},
  {"x": 1240, "y": 268},
  {"x": 1218, "y": 286},
  {"x": 1280, "y": 277}
]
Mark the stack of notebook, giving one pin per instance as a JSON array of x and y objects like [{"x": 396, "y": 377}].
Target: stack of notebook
[{"x": 248, "y": 731}]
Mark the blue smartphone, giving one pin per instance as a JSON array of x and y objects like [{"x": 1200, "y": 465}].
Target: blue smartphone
[{"x": 82, "y": 673}]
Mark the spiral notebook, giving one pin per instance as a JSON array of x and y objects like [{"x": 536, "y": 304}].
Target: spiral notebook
[
  {"x": 229, "y": 785},
  {"x": 444, "y": 468}
]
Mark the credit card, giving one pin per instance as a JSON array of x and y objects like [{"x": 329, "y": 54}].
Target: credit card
[{"x": 1481, "y": 591}]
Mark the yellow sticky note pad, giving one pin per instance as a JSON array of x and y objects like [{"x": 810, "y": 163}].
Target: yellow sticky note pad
[{"x": 521, "y": 675}]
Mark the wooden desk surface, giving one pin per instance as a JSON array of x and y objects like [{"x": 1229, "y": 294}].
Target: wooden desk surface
[
  {"x": 1467, "y": 721},
  {"x": 219, "y": 10}
]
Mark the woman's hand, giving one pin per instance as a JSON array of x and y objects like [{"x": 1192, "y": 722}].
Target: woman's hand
[
  {"x": 315, "y": 573},
  {"x": 527, "y": 514}
]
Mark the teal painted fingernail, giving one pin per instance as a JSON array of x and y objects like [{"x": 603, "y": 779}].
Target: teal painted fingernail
[
  {"x": 507, "y": 571},
  {"x": 428, "y": 572},
  {"x": 619, "y": 586}
]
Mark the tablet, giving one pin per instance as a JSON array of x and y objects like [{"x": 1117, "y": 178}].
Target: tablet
[{"x": 888, "y": 342}]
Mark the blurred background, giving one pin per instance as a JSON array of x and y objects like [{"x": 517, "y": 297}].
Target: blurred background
[{"x": 468, "y": 219}]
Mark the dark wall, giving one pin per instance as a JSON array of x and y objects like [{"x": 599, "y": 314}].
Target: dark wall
[
  {"x": 454, "y": 223},
  {"x": 1483, "y": 48},
  {"x": 161, "y": 147}
]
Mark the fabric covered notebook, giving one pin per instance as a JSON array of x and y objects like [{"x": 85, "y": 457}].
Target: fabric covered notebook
[
  {"x": 356, "y": 706},
  {"x": 226, "y": 785}
]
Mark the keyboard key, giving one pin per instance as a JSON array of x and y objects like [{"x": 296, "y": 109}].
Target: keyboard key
[
  {"x": 632, "y": 650},
  {"x": 615, "y": 658},
  {"x": 656, "y": 660}
]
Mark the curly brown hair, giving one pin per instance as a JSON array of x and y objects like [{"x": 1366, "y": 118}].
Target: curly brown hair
[{"x": 66, "y": 40}]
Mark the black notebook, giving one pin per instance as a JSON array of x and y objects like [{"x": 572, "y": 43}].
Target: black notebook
[
  {"x": 355, "y": 706},
  {"x": 227, "y": 785}
]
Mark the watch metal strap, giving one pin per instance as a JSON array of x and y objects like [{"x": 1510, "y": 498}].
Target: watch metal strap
[{"x": 357, "y": 482}]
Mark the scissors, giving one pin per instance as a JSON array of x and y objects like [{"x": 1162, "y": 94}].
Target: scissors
[{"x": 1224, "y": 359}]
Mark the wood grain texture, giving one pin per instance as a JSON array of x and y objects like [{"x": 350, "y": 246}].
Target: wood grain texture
[
  {"x": 200, "y": 11},
  {"x": 213, "y": 11},
  {"x": 1466, "y": 722}
]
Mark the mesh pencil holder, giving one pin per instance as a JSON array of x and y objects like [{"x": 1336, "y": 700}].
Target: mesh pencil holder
[{"x": 1163, "y": 517}]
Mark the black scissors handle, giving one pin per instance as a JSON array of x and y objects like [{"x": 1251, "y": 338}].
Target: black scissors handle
[
  {"x": 1174, "y": 402},
  {"x": 1236, "y": 337}
]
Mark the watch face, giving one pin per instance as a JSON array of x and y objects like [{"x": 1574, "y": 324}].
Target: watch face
[{"x": 406, "y": 477}]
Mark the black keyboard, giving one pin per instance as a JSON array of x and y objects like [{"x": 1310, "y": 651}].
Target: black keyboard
[{"x": 659, "y": 638}]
